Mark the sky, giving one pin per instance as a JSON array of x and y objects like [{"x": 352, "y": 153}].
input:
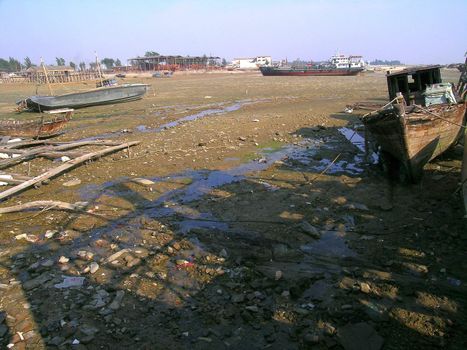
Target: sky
[{"x": 412, "y": 31}]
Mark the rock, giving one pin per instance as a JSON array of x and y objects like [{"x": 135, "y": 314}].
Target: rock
[
  {"x": 70, "y": 282},
  {"x": 320, "y": 291},
  {"x": 85, "y": 255},
  {"x": 116, "y": 303},
  {"x": 93, "y": 267},
  {"x": 50, "y": 233},
  {"x": 241, "y": 138},
  {"x": 88, "y": 330},
  {"x": 416, "y": 269},
  {"x": 238, "y": 298},
  {"x": 47, "y": 263},
  {"x": 117, "y": 255},
  {"x": 356, "y": 206},
  {"x": 176, "y": 246},
  {"x": 252, "y": 308},
  {"x": 3, "y": 330},
  {"x": 365, "y": 288},
  {"x": 56, "y": 341},
  {"x": 2, "y": 317},
  {"x": 71, "y": 183},
  {"x": 223, "y": 253},
  {"x": 63, "y": 260},
  {"x": 29, "y": 238},
  {"x": 278, "y": 275},
  {"x": 311, "y": 338},
  {"x": 360, "y": 336},
  {"x": 142, "y": 181},
  {"x": 36, "y": 282},
  {"x": 133, "y": 262},
  {"x": 310, "y": 229}
]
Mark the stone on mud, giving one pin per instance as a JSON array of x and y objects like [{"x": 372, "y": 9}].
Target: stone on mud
[
  {"x": 309, "y": 229},
  {"x": 360, "y": 336}
]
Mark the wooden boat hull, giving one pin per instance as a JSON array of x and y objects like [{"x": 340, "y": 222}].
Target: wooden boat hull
[
  {"x": 32, "y": 128},
  {"x": 102, "y": 96},
  {"x": 416, "y": 138},
  {"x": 464, "y": 174}
]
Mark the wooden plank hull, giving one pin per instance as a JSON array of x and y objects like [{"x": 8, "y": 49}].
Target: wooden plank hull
[
  {"x": 32, "y": 128},
  {"x": 464, "y": 174},
  {"x": 102, "y": 96},
  {"x": 416, "y": 138}
]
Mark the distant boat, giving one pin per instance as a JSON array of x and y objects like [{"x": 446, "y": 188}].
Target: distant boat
[
  {"x": 422, "y": 120},
  {"x": 101, "y": 96},
  {"x": 338, "y": 65},
  {"x": 38, "y": 128}
]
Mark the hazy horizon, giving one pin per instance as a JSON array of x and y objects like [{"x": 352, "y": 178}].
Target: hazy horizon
[{"x": 412, "y": 32}]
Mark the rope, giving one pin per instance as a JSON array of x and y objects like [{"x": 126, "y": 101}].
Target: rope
[{"x": 381, "y": 108}]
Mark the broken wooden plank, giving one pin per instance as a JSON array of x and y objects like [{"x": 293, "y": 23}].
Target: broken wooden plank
[
  {"x": 78, "y": 206},
  {"x": 11, "y": 151},
  {"x": 28, "y": 143},
  {"x": 38, "y": 150},
  {"x": 64, "y": 167},
  {"x": 55, "y": 155},
  {"x": 11, "y": 181}
]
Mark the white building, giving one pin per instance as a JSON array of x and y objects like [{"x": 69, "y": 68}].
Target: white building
[{"x": 251, "y": 63}]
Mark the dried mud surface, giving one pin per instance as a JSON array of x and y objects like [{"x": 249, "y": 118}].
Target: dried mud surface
[{"x": 230, "y": 226}]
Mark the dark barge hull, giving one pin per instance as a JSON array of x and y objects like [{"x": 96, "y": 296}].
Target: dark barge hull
[{"x": 277, "y": 71}]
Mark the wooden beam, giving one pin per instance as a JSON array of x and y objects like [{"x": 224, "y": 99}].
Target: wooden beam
[{"x": 64, "y": 167}]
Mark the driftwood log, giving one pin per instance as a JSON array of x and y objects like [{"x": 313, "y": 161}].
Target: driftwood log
[{"x": 64, "y": 167}]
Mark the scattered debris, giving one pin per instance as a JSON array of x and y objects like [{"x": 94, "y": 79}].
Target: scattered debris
[{"x": 70, "y": 282}]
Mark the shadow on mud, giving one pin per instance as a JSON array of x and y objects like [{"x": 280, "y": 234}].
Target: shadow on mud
[{"x": 295, "y": 249}]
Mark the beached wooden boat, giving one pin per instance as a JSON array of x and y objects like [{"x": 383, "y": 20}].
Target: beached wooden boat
[
  {"x": 101, "y": 96},
  {"x": 423, "y": 119},
  {"x": 40, "y": 127}
]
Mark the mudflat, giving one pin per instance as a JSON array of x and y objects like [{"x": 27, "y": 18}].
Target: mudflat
[{"x": 249, "y": 216}]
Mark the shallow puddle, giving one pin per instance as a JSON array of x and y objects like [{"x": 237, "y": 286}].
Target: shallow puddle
[{"x": 205, "y": 113}]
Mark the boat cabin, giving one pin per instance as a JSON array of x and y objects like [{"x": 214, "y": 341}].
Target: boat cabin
[{"x": 413, "y": 83}]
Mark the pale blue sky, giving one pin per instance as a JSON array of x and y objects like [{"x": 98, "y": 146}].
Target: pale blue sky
[{"x": 411, "y": 31}]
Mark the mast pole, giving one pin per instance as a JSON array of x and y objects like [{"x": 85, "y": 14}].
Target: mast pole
[
  {"x": 46, "y": 77},
  {"x": 98, "y": 66}
]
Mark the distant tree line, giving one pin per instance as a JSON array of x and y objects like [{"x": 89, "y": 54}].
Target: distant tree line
[
  {"x": 13, "y": 65},
  {"x": 377, "y": 62}
]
